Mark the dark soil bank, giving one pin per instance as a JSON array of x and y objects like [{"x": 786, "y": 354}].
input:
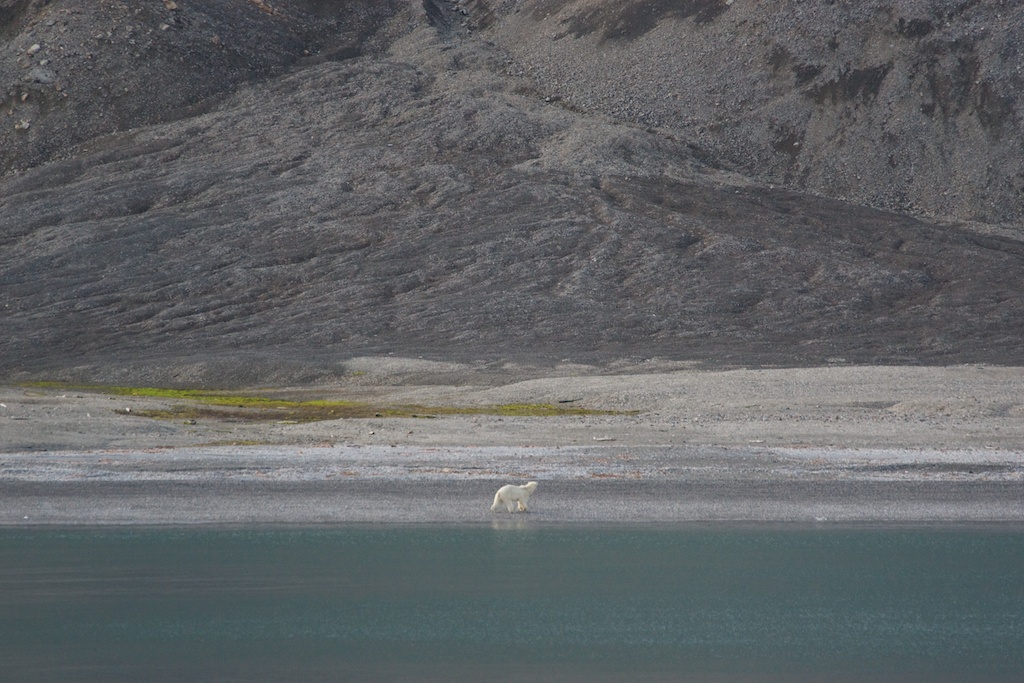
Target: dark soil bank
[{"x": 729, "y": 182}]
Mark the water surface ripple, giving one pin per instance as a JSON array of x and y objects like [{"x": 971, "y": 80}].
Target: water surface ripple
[{"x": 442, "y": 603}]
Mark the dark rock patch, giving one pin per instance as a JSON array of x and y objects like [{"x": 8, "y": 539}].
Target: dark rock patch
[{"x": 633, "y": 18}]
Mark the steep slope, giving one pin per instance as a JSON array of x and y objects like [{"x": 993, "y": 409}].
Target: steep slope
[
  {"x": 70, "y": 71},
  {"x": 912, "y": 105},
  {"x": 424, "y": 199}
]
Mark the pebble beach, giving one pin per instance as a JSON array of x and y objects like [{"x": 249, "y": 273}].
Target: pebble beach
[{"x": 816, "y": 446}]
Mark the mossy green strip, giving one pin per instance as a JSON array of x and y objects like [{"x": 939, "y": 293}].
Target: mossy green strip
[{"x": 199, "y": 403}]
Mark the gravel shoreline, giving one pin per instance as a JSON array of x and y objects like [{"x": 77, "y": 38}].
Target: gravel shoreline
[
  {"x": 820, "y": 446},
  {"x": 366, "y": 484}
]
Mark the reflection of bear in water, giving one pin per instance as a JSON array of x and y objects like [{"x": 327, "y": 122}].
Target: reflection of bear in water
[{"x": 513, "y": 497}]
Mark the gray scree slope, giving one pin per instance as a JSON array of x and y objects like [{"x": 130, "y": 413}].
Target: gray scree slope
[{"x": 280, "y": 183}]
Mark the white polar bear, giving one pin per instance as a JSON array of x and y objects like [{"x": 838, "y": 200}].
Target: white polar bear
[{"x": 513, "y": 497}]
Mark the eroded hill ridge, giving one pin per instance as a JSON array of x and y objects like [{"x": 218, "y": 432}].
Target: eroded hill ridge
[{"x": 298, "y": 181}]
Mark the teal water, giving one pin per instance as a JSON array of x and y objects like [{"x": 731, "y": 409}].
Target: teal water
[{"x": 537, "y": 604}]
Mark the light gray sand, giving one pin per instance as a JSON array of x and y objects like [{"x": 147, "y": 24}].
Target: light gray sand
[{"x": 815, "y": 445}]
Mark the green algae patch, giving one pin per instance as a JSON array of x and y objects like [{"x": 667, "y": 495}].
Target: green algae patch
[{"x": 197, "y": 404}]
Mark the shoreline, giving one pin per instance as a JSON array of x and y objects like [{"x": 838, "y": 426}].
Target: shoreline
[
  {"x": 579, "y": 486},
  {"x": 811, "y": 445}
]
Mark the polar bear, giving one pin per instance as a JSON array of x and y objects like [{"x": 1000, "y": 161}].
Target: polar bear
[{"x": 513, "y": 497}]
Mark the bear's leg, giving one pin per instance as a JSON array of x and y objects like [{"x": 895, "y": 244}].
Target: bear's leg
[{"x": 522, "y": 506}]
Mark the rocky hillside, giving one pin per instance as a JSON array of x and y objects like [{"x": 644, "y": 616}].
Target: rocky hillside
[
  {"x": 245, "y": 191},
  {"x": 911, "y": 105},
  {"x": 73, "y": 71}
]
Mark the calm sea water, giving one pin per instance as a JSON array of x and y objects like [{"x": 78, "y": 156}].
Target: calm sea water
[{"x": 504, "y": 604}]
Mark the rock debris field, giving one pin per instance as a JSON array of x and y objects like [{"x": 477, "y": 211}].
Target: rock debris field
[{"x": 301, "y": 182}]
